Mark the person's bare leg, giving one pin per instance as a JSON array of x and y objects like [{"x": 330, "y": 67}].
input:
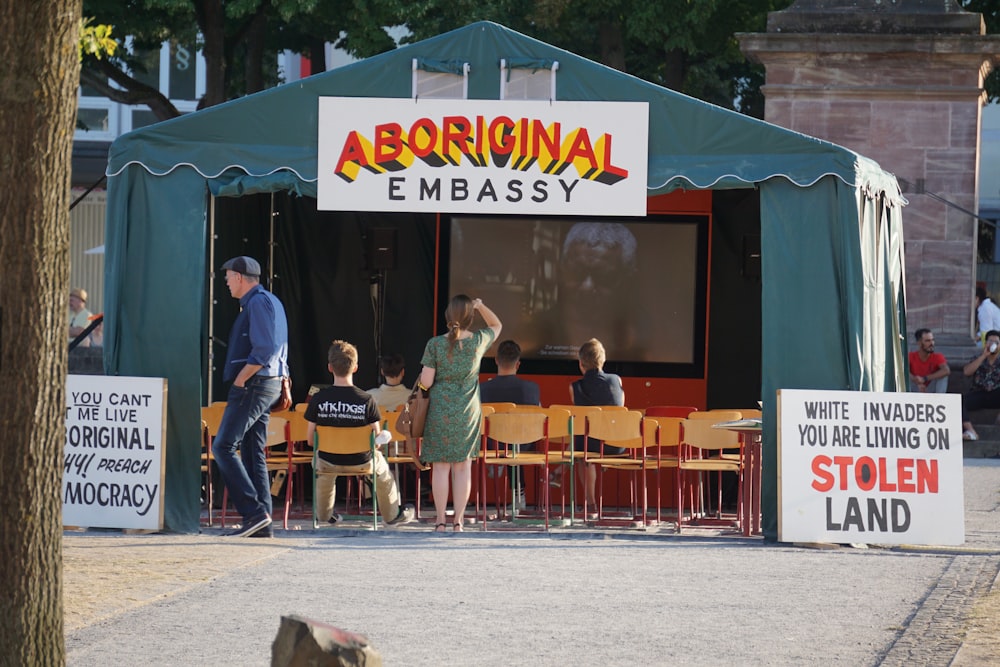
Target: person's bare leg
[
  {"x": 461, "y": 489},
  {"x": 440, "y": 479},
  {"x": 591, "y": 486}
]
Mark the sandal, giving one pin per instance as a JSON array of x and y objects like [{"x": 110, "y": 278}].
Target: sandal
[
  {"x": 457, "y": 528},
  {"x": 440, "y": 528}
]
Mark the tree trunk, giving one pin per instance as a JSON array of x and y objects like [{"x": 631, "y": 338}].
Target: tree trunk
[
  {"x": 39, "y": 74},
  {"x": 212, "y": 23},
  {"x": 254, "y": 62},
  {"x": 612, "y": 45},
  {"x": 674, "y": 69}
]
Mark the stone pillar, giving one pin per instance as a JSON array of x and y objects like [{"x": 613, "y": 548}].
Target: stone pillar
[{"x": 901, "y": 82}]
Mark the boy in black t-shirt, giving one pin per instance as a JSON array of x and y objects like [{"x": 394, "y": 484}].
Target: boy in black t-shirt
[{"x": 343, "y": 404}]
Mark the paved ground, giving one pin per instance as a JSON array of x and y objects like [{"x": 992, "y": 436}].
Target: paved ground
[{"x": 576, "y": 596}]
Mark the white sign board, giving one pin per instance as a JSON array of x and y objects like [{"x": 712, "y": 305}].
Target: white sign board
[
  {"x": 870, "y": 467},
  {"x": 114, "y": 456},
  {"x": 482, "y": 156}
]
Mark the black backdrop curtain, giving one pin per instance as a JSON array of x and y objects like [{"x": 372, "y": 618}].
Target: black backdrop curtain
[{"x": 323, "y": 272}]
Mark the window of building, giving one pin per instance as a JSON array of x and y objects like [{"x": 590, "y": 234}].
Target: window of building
[
  {"x": 528, "y": 79},
  {"x": 440, "y": 79}
]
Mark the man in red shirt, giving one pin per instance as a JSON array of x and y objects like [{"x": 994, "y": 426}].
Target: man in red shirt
[{"x": 928, "y": 369}]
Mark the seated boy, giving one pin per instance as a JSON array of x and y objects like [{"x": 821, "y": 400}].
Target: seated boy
[
  {"x": 343, "y": 404},
  {"x": 392, "y": 393}
]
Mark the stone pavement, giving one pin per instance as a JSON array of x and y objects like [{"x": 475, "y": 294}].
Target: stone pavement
[{"x": 575, "y": 596}]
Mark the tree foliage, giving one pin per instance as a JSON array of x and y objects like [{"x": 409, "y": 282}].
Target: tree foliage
[
  {"x": 990, "y": 9},
  {"x": 96, "y": 40},
  {"x": 686, "y": 45},
  {"x": 238, "y": 39}
]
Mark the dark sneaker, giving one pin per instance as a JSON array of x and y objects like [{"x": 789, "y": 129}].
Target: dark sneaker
[
  {"x": 264, "y": 532},
  {"x": 406, "y": 515},
  {"x": 335, "y": 518},
  {"x": 250, "y": 527}
]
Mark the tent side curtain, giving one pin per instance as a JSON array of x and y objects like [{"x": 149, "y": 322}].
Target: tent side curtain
[
  {"x": 440, "y": 66},
  {"x": 819, "y": 331},
  {"x": 155, "y": 238}
]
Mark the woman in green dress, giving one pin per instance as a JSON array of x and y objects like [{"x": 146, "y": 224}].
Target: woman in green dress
[{"x": 451, "y": 433}]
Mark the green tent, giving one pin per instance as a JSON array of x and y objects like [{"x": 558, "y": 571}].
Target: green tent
[{"x": 831, "y": 226}]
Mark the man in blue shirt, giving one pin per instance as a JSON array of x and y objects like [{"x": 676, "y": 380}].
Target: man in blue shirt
[
  {"x": 256, "y": 359},
  {"x": 506, "y": 387}
]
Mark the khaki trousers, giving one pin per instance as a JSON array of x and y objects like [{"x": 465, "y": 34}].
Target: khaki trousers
[{"x": 386, "y": 490}]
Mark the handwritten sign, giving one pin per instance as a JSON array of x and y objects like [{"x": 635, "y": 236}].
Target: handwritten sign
[
  {"x": 870, "y": 467},
  {"x": 114, "y": 455}
]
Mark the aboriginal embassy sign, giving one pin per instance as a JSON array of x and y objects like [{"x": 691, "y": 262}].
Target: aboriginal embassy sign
[
  {"x": 482, "y": 156},
  {"x": 882, "y": 468},
  {"x": 113, "y": 460}
]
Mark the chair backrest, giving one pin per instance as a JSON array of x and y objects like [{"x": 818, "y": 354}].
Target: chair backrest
[
  {"x": 344, "y": 439},
  {"x": 560, "y": 422},
  {"x": 621, "y": 428},
  {"x": 681, "y": 411},
  {"x": 578, "y": 414},
  {"x": 212, "y": 416},
  {"x": 669, "y": 434},
  {"x": 298, "y": 427},
  {"x": 277, "y": 432},
  {"x": 500, "y": 407},
  {"x": 717, "y": 415},
  {"x": 516, "y": 428},
  {"x": 698, "y": 433}
]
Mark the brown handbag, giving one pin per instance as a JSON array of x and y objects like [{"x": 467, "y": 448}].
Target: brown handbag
[
  {"x": 285, "y": 397},
  {"x": 414, "y": 413}
]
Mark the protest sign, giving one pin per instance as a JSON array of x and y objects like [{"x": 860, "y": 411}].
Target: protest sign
[
  {"x": 882, "y": 468},
  {"x": 114, "y": 455}
]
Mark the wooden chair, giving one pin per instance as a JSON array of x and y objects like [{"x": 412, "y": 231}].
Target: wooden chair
[
  {"x": 345, "y": 440},
  {"x": 206, "y": 467},
  {"x": 510, "y": 430},
  {"x": 500, "y": 407},
  {"x": 701, "y": 450},
  {"x": 299, "y": 453},
  {"x": 211, "y": 417},
  {"x": 618, "y": 428},
  {"x": 402, "y": 451},
  {"x": 578, "y": 415},
  {"x": 681, "y": 411}
]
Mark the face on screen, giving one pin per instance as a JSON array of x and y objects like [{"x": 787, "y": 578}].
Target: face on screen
[{"x": 556, "y": 283}]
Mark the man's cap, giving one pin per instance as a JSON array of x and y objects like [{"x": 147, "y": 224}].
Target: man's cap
[
  {"x": 248, "y": 266},
  {"x": 79, "y": 293}
]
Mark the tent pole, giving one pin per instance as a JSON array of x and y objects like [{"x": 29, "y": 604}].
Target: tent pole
[
  {"x": 211, "y": 293},
  {"x": 270, "y": 249}
]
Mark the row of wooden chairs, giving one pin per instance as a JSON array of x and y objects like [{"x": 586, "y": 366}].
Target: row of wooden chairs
[
  {"x": 658, "y": 438},
  {"x": 285, "y": 456}
]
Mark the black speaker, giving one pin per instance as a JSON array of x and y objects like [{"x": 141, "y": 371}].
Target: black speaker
[{"x": 382, "y": 248}]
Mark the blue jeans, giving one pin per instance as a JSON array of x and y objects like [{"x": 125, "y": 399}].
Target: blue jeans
[{"x": 244, "y": 427}]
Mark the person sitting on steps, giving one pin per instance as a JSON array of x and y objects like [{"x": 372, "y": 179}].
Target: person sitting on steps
[{"x": 985, "y": 392}]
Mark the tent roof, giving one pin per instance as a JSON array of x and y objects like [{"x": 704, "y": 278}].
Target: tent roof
[{"x": 267, "y": 141}]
